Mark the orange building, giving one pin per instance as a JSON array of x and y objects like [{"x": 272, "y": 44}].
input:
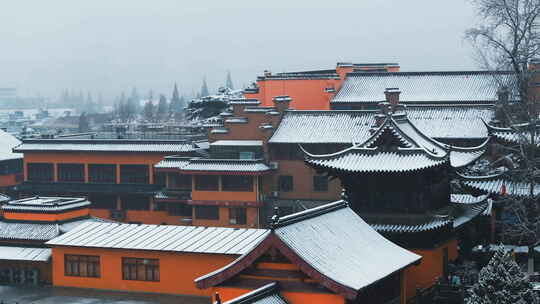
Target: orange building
[
  {"x": 116, "y": 175},
  {"x": 26, "y": 225},
  {"x": 146, "y": 258},
  {"x": 323, "y": 255},
  {"x": 309, "y": 90}
]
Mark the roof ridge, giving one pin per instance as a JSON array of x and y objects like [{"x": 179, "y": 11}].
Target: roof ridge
[
  {"x": 442, "y": 73},
  {"x": 256, "y": 294},
  {"x": 278, "y": 222}
]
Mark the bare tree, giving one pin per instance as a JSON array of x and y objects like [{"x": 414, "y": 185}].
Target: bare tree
[{"x": 507, "y": 39}]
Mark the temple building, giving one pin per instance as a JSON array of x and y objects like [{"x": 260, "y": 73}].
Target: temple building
[
  {"x": 25, "y": 226},
  {"x": 11, "y": 168},
  {"x": 325, "y": 255},
  {"x": 398, "y": 181}
]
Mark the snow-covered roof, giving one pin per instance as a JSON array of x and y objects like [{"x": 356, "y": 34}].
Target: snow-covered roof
[
  {"x": 222, "y": 166},
  {"x": 95, "y": 145},
  {"x": 493, "y": 184},
  {"x": 27, "y": 254},
  {"x": 337, "y": 248},
  {"x": 7, "y": 143},
  {"x": 425, "y": 87},
  {"x": 237, "y": 143},
  {"x": 440, "y": 122},
  {"x": 39, "y": 231},
  {"x": 267, "y": 294},
  {"x": 46, "y": 204},
  {"x": 216, "y": 240}
]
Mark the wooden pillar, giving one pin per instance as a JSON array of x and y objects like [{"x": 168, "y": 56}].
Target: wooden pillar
[
  {"x": 150, "y": 174},
  {"x": 25, "y": 170},
  {"x": 86, "y": 177},
  {"x": 118, "y": 203},
  {"x": 55, "y": 172},
  {"x": 117, "y": 173},
  {"x": 403, "y": 287}
]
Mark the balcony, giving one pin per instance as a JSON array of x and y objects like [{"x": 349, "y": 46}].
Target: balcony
[{"x": 59, "y": 187}]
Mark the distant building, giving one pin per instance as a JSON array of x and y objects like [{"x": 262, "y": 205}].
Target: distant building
[{"x": 11, "y": 164}]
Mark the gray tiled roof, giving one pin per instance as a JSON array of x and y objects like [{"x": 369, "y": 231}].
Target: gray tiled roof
[
  {"x": 214, "y": 165},
  {"x": 13, "y": 253},
  {"x": 162, "y": 238},
  {"x": 7, "y": 143},
  {"x": 267, "y": 294},
  {"x": 493, "y": 184},
  {"x": 35, "y": 231},
  {"x": 338, "y": 243},
  {"x": 104, "y": 145},
  {"x": 425, "y": 87},
  {"x": 45, "y": 204},
  {"x": 431, "y": 224},
  {"x": 441, "y": 122},
  {"x": 461, "y": 157}
]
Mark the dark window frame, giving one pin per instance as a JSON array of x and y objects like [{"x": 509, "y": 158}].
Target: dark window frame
[
  {"x": 88, "y": 266},
  {"x": 285, "y": 183},
  {"x": 70, "y": 172},
  {"x": 320, "y": 183},
  {"x": 134, "y": 174},
  {"x": 237, "y": 183},
  {"x": 140, "y": 269},
  {"x": 206, "y": 212},
  {"x": 202, "y": 182},
  {"x": 102, "y": 173},
  {"x": 37, "y": 172}
]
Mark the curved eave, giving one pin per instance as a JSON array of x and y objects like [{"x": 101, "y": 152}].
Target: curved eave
[{"x": 462, "y": 156}]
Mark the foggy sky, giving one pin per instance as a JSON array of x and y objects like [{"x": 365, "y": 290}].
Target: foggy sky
[{"x": 113, "y": 45}]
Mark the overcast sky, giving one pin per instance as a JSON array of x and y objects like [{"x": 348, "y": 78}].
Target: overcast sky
[{"x": 113, "y": 45}]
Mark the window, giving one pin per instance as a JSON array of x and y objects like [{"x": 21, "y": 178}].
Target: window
[
  {"x": 40, "y": 172},
  {"x": 179, "y": 181},
  {"x": 98, "y": 173},
  {"x": 237, "y": 183},
  {"x": 160, "y": 179},
  {"x": 81, "y": 266},
  {"x": 179, "y": 209},
  {"x": 207, "y": 212},
  {"x": 140, "y": 269},
  {"x": 237, "y": 216},
  {"x": 102, "y": 201},
  {"x": 320, "y": 183},
  {"x": 207, "y": 182},
  {"x": 134, "y": 174},
  {"x": 70, "y": 172},
  {"x": 285, "y": 183}
]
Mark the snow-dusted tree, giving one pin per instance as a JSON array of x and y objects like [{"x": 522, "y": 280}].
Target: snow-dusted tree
[
  {"x": 162, "y": 108},
  {"x": 84, "y": 123},
  {"x": 502, "y": 282},
  {"x": 149, "y": 109},
  {"x": 204, "y": 89},
  {"x": 229, "y": 83},
  {"x": 507, "y": 39},
  {"x": 175, "y": 105}
]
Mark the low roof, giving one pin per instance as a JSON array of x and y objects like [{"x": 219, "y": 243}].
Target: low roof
[
  {"x": 267, "y": 294},
  {"x": 425, "y": 87},
  {"x": 237, "y": 143},
  {"x": 46, "y": 204},
  {"x": 332, "y": 245},
  {"x": 161, "y": 238},
  {"x": 27, "y": 254},
  {"x": 97, "y": 145},
  {"x": 345, "y": 127},
  {"x": 214, "y": 165},
  {"x": 39, "y": 231},
  {"x": 494, "y": 184}
]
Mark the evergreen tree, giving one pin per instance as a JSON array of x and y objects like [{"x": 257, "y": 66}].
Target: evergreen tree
[
  {"x": 84, "y": 124},
  {"x": 175, "y": 105},
  {"x": 123, "y": 112},
  {"x": 204, "y": 89},
  {"x": 229, "y": 83},
  {"x": 163, "y": 106},
  {"x": 502, "y": 282},
  {"x": 149, "y": 109}
]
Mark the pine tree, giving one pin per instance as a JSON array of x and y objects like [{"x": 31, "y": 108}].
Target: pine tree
[
  {"x": 149, "y": 109},
  {"x": 502, "y": 282},
  {"x": 175, "y": 105},
  {"x": 162, "y": 107},
  {"x": 229, "y": 83},
  {"x": 204, "y": 89}
]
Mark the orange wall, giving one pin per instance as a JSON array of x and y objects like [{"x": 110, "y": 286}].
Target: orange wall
[
  {"x": 143, "y": 216},
  {"x": 177, "y": 270},
  {"x": 252, "y": 221},
  {"x": 303, "y": 182},
  {"x": 94, "y": 158},
  {"x": 51, "y": 217},
  {"x": 431, "y": 267},
  {"x": 229, "y": 293},
  {"x": 306, "y": 94},
  {"x": 223, "y": 196},
  {"x": 8, "y": 180}
]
